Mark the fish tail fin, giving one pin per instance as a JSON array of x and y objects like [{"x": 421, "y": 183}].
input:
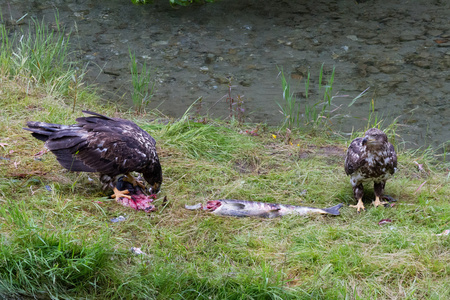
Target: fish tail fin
[{"x": 333, "y": 210}]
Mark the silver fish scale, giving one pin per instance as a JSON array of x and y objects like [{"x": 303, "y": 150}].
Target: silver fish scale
[{"x": 243, "y": 208}]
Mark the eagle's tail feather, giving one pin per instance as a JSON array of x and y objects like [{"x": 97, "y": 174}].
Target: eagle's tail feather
[
  {"x": 57, "y": 136},
  {"x": 63, "y": 141},
  {"x": 42, "y": 130},
  {"x": 39, "y": 134},
  {"x": 51, "y": 127}
]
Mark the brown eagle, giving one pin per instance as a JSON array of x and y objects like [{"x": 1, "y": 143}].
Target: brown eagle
[
  {"x": 109, "y": 146},
  {"x": 371, "y": 158}
]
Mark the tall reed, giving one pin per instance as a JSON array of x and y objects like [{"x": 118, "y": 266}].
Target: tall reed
[
  {"x": 290, "y": 107},
  {"x": 297, "y": 113},
  {"x": 143, "y": 85},
  {"x": 321, "y": 110}
]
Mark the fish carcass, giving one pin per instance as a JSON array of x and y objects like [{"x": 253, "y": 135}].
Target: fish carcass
[
  {"x": 242, "y": 208},
  {"x": 139, "y": 199}
]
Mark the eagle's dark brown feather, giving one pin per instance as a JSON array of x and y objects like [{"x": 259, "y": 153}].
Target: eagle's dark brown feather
[
  {"x": 371, "y": 158},
  {"x": 110, "y": 146}
]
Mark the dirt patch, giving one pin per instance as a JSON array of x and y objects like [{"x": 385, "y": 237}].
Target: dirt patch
[
  {"x": 244, "y": 167},
  {"x": 325, "y": 151}
]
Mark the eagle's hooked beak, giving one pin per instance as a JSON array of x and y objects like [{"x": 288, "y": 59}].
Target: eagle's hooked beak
[
  {"x": 154, "y": 189},
  {"x": 369, "y": 141},
  {"x": 364, "y": 141}
]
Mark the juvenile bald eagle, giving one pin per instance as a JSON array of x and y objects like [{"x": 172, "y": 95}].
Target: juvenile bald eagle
[
  {"x": 110, "y": 146},
  {"x": 371, "y": 158}
]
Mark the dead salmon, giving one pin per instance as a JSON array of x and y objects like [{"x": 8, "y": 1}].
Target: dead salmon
[
  {"x": 139, "y": 200},
  {"x": 242, "y": 208}
]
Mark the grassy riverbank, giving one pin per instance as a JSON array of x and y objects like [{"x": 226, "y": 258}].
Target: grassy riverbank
[{"x": 57, "y": 240}]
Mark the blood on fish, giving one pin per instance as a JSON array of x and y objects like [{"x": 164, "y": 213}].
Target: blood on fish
[
  {"x": 139, "y": 200},
  {"x": 213, "y": 205},
  {"x": 384, "y": 221}
]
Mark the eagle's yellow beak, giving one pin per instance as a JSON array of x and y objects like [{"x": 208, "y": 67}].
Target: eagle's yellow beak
[{"x": 369, "y": 141}]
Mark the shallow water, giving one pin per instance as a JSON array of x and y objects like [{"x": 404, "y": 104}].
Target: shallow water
[{"x": 400, "y": 50}]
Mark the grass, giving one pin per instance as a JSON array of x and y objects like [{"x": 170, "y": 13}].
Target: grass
[
  {"x": 41, "y": 56},
  {"x": 57, "y": 241},
  {"x": 316, "y": 112},
  {"x": 143, "y": 86}
]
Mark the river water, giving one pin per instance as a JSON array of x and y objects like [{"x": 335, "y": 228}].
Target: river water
[{"x": 398, "y": 49}]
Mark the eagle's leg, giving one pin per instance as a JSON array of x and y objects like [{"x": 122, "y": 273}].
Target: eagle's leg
[
  {"x": 128, "y": 177},
  {"x": 379, "y": 189},
  {"x": 120, "y": 194},
  {"x": 358, "y": 192},
  {"x": 377, "y": 202},
  {"x": 359, "y": 206}
]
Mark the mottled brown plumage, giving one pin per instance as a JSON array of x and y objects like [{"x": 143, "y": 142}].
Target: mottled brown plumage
[
  {"x": 368, "y": 159},
  {"x": 110, "y": 146}
]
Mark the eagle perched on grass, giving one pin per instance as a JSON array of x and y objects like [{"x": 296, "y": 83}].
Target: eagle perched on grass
[
  {"x": 371, "y": 158},
  {"x": 110, "y": 146}
]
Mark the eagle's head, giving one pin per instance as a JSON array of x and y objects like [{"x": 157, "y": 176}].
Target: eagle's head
[
  {"x": 153, "y": 175},
  {"x": 374, "y": 139}
]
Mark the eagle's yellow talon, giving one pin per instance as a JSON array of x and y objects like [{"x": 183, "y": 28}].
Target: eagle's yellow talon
[
  {"x": 140, "y": 184},
  {"x": 359, "y": 206},
  {"x": 377, "y": 202},
  {"x": 120, "y": 194},
  {"x": 133, "y": 181}
]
